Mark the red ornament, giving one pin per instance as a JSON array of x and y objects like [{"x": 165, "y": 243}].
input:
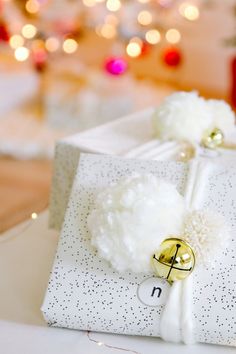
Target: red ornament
[
  {"x": 172, "y": 57},
  {"x": 64, "y": 27},
  {"x": 145, "y": 49},
  {"x": 40, "y": 57},
  {"x": 233, "y": 82},
  {"x": 4, "y": 34}
]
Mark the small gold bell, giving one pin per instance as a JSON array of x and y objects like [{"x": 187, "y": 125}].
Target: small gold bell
[
  {"x": 174, "y": 260},
  {"x": 187, "y": 153},
  {"x": 214, "y": 139}
]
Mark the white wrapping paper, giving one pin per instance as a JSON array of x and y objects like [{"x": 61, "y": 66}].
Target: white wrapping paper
[
  {"x": 85, "y": 293},
  {"x": 130, "y": 136}
]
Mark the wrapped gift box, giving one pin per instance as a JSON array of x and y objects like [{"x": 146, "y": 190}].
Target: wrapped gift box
[
  {"x": 116, "y": 138},
  {"x": 85, "y": 293},
  {"x": 130, "y": 136}
]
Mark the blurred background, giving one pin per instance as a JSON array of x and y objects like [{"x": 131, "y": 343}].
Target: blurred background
[{"x": 69, "y": 65}]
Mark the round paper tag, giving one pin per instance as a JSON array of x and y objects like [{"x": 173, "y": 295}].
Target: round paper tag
[{"x": 153, "y": 291}]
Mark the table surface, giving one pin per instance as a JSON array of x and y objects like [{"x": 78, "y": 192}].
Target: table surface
[
  {"x": 24, "y": 188},
  {"x": 26, "y": 257}
]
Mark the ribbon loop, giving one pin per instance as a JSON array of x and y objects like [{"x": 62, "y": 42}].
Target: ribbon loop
[{"x": 176, "y": 323}]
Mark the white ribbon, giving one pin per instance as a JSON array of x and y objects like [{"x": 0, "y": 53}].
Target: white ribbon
[{"x": 176, "y": 324}]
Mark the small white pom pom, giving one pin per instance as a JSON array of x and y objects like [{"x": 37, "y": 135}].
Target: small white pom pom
[
  {"x": 132, "y": 217},
  {"x": 207, "y": 234},
  {"x": 183, "y": 116}
]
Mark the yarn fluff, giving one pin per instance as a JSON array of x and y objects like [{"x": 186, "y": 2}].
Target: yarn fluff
[
  {"x": 207, "y": 233},
  {"x": 189, "y": 117},
  {"x": 132, "y": 217}
]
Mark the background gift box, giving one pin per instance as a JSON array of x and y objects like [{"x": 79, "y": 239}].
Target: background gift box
[
  {"x": 85, "y": 293},
  {"x": 130, "y": 136}
]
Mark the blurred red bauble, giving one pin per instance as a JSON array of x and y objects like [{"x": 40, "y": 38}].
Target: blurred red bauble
[
  {"x": 64, "y": 27},
  {"x": 172, "y": 57},
  {"x": 40, "y": 59},
  {"x": 233, "y": 82},
  {"x": 116, "y": 66},
  {"x": 4, "y": 34},
  {"x": 146, "y": 49}
]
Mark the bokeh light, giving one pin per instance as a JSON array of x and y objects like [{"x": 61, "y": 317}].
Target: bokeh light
[
  {"x": 134, "y": 48},
  {"x": 32, "y": 6},
  {"x": 145, "y": 18},
  {"x": 29, "y": 31},
  {"x": 21, "y": 53},
  {"x": 34, "y": 216},
  {"x": 153, "y": 36},
  {"x": 173, "y": 36},
  {"x": 108, "y": 31},
  {"x": 70, "y": 46},
  {"x": 113, "y": 5},
  {"x": 189, "y": 11},
  {"x": 16, "y": 41}
]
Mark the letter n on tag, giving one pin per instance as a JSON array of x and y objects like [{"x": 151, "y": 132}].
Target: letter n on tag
[{"x": 153, "y": 291}]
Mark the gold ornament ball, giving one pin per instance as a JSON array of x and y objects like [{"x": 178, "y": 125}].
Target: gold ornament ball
[
  {"x": 174, "y": 260},
  {"x": 187, "y": 153},
  {"x": 214, "y": 139}
]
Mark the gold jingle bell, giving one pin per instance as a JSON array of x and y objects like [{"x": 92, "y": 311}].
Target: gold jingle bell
[
  {"x": 174, "y": 260},
  {"x": 214, "y": 139},
  {"x": 187, "y": 153}
]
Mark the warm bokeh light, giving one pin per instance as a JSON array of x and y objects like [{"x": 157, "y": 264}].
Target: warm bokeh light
[
  {"x": 89, "y": 3},
  {"x": 52, "y": 44},
  {"x": 34, "y": 216},
  {"x": 69, "y": 46},
  {"x": 143, "y": 1},
  {"x": 29, "y": 31},
  {"x": 189, "y": 11},
  {"x": 16, "y": 41},
  {"x": 113, "y": 5},
  {"x": 21, "y": 53},
  {"x": 153, "y": 36},
  {"x": 108, "y": 31},
  {"x": 173, "y": 36},
  {"x": 134, "y": 48},
  {"x": 32, "y": 6},
  {"x": 112, "y": 19},
  {"x": 145, "y": 18}
]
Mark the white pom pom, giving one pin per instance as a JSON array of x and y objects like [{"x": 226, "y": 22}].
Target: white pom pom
[
  {"x": 183, "y": 116},
  {"x": 132, "y": 217},
  {"x": 207, "y": 233},
  {"x": 222, "y": 115}
]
